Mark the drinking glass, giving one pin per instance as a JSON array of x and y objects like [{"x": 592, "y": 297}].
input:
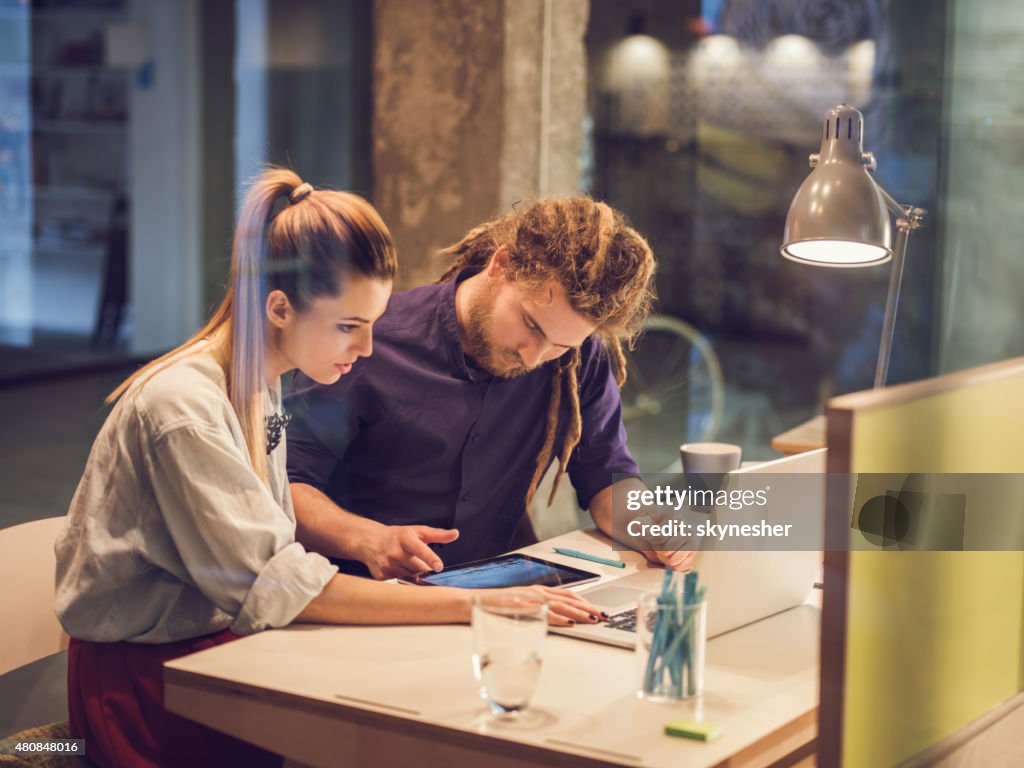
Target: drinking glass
[{"x": 508, "y": 646}]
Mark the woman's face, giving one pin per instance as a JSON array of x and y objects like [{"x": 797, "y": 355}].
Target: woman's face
[{"x": 333, "y": 332}]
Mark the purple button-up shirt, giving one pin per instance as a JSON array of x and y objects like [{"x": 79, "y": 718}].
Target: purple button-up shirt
[{"x": 416, "y": 435}]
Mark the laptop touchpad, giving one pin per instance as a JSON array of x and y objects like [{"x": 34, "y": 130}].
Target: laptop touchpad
[{"x": 612, "y": 596}]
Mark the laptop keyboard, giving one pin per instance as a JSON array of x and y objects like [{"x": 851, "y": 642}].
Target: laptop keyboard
[{"x": 626, "y": 620}]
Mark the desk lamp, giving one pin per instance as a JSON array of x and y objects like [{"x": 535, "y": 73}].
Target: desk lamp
[{"x": 840, "y": 216}]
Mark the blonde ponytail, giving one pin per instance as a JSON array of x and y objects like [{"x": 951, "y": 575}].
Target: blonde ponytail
[{"x": 310, "y": 237}]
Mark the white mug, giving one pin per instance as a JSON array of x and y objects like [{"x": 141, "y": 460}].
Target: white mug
[{"x": 709, "y": 458}]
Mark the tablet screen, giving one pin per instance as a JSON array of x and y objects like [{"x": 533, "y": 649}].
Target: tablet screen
[{"x": 507, "y": 571}]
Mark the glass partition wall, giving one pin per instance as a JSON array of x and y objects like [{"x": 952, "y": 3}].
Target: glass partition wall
[
  {"x": 127, "y": 128},
  {"x": 701, "y": 119},
  {"x": 64, "y": 192}
]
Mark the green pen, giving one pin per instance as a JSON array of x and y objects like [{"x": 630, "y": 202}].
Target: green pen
[{"x": 588, "y": 556}]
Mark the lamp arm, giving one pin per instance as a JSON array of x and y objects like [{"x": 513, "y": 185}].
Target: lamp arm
[
  {"x": 914, "y": 217},
  {"x": 908, "y": 218},
  {"x": 890, "y": 202}
]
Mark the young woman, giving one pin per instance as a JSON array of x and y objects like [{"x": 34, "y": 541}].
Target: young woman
[{"x": 181, "y": 533}]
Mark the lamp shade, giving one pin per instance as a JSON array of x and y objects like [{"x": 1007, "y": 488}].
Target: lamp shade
[{"x": 838, "y": 217}]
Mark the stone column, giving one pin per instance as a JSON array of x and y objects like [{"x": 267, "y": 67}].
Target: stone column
[{"x": 478, "y": 104}]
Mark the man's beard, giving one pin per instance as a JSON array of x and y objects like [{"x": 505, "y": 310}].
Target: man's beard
[{"x": 479, "y": 340}]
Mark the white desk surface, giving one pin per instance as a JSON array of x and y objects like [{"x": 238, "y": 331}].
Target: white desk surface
[{"x": 334, "y": 696}]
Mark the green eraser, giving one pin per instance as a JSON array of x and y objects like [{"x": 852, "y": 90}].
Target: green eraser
[{"x": 691, "y": 729}]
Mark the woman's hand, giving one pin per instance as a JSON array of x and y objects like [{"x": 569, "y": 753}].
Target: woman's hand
[{"x": 565, "y": 608}]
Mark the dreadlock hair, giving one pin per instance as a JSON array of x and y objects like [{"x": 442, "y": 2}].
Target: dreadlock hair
[
  {"x": 604, "y": 266},
  {"x": 296, "y": 239}
]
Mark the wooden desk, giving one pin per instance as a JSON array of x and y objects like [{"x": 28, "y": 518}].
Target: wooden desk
[
  {"x": 808, "y": 436},
  {"x": 340, "y": 696}
]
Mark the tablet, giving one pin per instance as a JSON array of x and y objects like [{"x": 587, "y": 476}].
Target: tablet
[{"x": 505, "y": 571}]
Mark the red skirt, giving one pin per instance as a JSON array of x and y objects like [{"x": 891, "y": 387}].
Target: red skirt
[{"x": 116, "y": 703}]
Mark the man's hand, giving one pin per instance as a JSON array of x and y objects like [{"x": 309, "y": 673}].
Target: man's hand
[
  {"x": 390, "y": 551},
  {"x": 676, "y": 559}
]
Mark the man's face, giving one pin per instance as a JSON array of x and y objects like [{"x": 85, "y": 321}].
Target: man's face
[{"x": 511, "y": 330}]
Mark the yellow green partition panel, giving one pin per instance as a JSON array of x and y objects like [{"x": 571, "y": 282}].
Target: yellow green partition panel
[{"x": 933, "y": 639}]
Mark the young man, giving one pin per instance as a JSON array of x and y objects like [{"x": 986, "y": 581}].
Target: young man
[{"x": 431, "y": 451}]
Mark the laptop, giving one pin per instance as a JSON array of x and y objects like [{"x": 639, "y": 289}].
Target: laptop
[{"x": 742, "y": 587}]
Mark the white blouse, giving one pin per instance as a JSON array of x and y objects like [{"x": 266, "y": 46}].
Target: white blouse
[{"x": 171, "y": 533}]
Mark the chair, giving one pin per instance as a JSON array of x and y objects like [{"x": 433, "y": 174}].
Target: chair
[
  {"x": 31, "y": 630},
  {"x": 673, "y": 393}
]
